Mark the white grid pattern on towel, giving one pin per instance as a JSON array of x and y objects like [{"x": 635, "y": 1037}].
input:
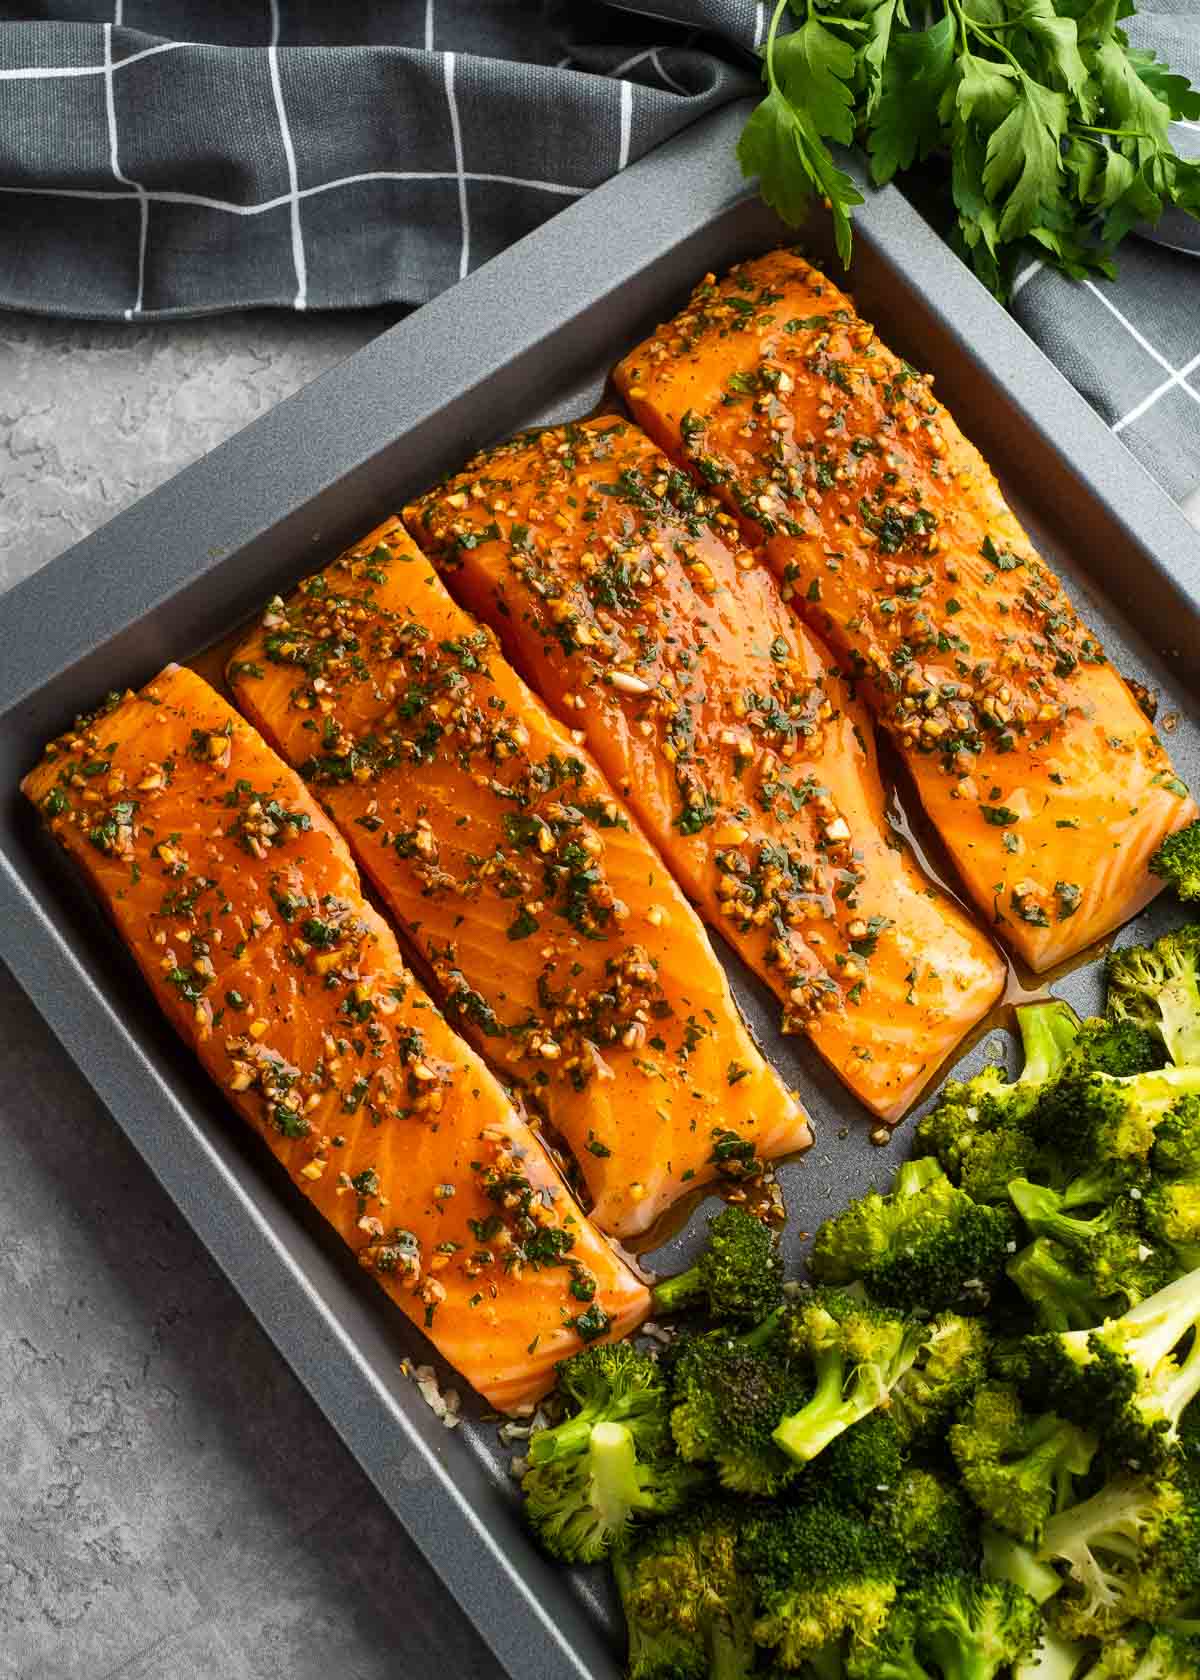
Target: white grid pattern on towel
[
  {"x": 1175, "y": 376},
  {"x": 300, "y": 301},
  {"x": 110, "y": 106},
  {"x": 464, "y": 209}
]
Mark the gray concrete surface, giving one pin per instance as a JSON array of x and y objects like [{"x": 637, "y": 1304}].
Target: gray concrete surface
[{"x": 172, "y": 1505}]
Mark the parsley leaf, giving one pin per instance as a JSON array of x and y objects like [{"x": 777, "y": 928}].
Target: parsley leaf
[{"x": 1052, "y": 129}]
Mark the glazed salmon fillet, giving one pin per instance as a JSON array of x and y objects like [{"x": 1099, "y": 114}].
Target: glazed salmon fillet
[
  {"x": 243, "y": 908},
  {"x": 608, "y": 579},
  {"x": 556, "y": 938},
  {"x": 1032, "y": 757}
]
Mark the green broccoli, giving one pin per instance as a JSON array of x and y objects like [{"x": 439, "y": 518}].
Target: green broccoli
[
  {"x": 1135, "y": 1374},
  {"x": 861, "y": 1467},
  {"x": 977, "y": 1129},
  {"x": 955, "y": 1625},
  {"x": 1005, "y": 1558},
  {"x": 1158, "y": 987},
  {"x": 1177, "y": 861},
  {"x": 1017, "y": 1469},
  {"x": 1110, "y": 1119},
  {"x": 609, "y": 1462},
  {"x": 1148, "y": 1653},
  {"x": 1171, "y": 1203},
  {"x": 1056, "y": 1658},
  {"x": 950, "y": 1365},
  {"x": 729, "y": 1393},
  {"x": 1117, "y": 1047},
  {"x": 738, "y": 1278},
  {"x": 1051, "y": 1282},
  {"x": 1129, "y": 1552},
  {"x": 925, "y": 1246},
  {"x": 688, "y": 1608},
  {"x": 934, "y": 1526},
  {"x": 820, "y": 1573},
  {"x": 582, "y": 1507},
  {"x": 858, "y": 1352},
  {"x": 1176, "y": 1152},
  {"x": 1109, "y": 1248}
]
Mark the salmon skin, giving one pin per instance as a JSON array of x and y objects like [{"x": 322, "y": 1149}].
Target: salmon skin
[
  {"x": 1032, "y": 757},
  {"x": 243, "y": 908},
  {"x": 608, "y": 579},
  {"x": 557, "y": 939}
]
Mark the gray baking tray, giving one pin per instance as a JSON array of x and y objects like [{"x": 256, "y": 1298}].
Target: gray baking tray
[{"x": 528, "y": 338}]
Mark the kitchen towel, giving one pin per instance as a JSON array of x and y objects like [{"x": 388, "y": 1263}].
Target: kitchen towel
[{"x": 164, "y": 158}]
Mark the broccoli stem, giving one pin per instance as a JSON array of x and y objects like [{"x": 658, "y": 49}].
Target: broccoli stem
[
  {"x": 916, "y": 1175},
  {"x": 1048, "y": 1031},
  {"x": 615, "y": 1489},
  {"x": 1056, "y": 1658},
  {"x": 762, "y": 1333},
  {"x": 1174, "y": 1397},
  {"x": 728, "y": 1657},
  {"x": 1061, "y": 1299},
  {"x": 1151, "y": 1329},
  {"x": 827, "y": 1415},
  {"x": 1042, "y": 1210},
  {"x": 563, "y": 1440},
  {"x": 669, "y": 1294},
  {"x": 1008, "y": 1559},
  {"x": 1096, "y": 1185}
]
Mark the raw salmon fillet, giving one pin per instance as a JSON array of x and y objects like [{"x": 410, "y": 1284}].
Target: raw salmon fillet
[
  {"x": 609, "y": 580},
  {"x": 243, "y": 908},
  {"x": 556, "y": 938},
  {"x": 1032, "y": 757}
]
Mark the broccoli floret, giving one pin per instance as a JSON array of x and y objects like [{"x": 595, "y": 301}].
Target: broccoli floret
[
  {"x": 611, "y": 1382},
  {"x": 1111, "y": 1119},
  {"x": 934, "y": 1526},
  {"x": 1177, "y": 861},
  {"x": 1051, "y": 1283},
  {"x": 955, "y": 1625},
  {"x": 860, "y": 1468},
  {"x": 973, "y": 1628},
  {"x": 688, "y": 1608},
  {"x": 1171, "y": 1204},
  {"x": 1128, "y": 1372},
  {"x": 951, "y": 1364},
  {"x": 738, "y": 1278},
  {"x": 858, "y": 1352},
  {"x": 1126, "y": 1551},
  {"x": 1109, "y": 1248},
  {"x": 582, "y": 1507},
  {"x": 925, "y": 1245},
  {"x": 1158, "y": 987},
  {"x": 1176, "y": 1152},
  {"x": 820, "y": 1572},
  {"x": 1148, "y": 1653},
  {"x": 1017, "y": 1469},
  {"x": 1116, "y": 1047},
  {"x": 976, "y": 1130},
  {"x": 1005, "y": 1558},
  {"x": 607, "y": 1463},
  {"x": 729, "y": 1394}
]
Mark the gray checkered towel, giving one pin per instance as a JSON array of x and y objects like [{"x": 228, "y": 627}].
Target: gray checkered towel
[{"x": 163, "y": 158}]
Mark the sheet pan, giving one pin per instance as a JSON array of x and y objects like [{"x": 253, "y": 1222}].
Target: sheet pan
[{"x": 528, "y": 338}]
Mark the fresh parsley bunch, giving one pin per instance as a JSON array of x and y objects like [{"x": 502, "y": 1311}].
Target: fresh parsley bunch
[{"x": 1053, "y": 128}]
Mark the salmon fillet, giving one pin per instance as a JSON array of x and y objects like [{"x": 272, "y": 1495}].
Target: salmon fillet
[
  {"x": 242, "y": 906},
  {"x": 608, "y": 580},
  {"x": 889, "y": 531},
  {"x": 557, "y": 939}
]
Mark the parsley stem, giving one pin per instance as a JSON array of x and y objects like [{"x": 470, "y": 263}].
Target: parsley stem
[
  {"x": 776, "y": 18},
  {"x": 984, "y": 35}
]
